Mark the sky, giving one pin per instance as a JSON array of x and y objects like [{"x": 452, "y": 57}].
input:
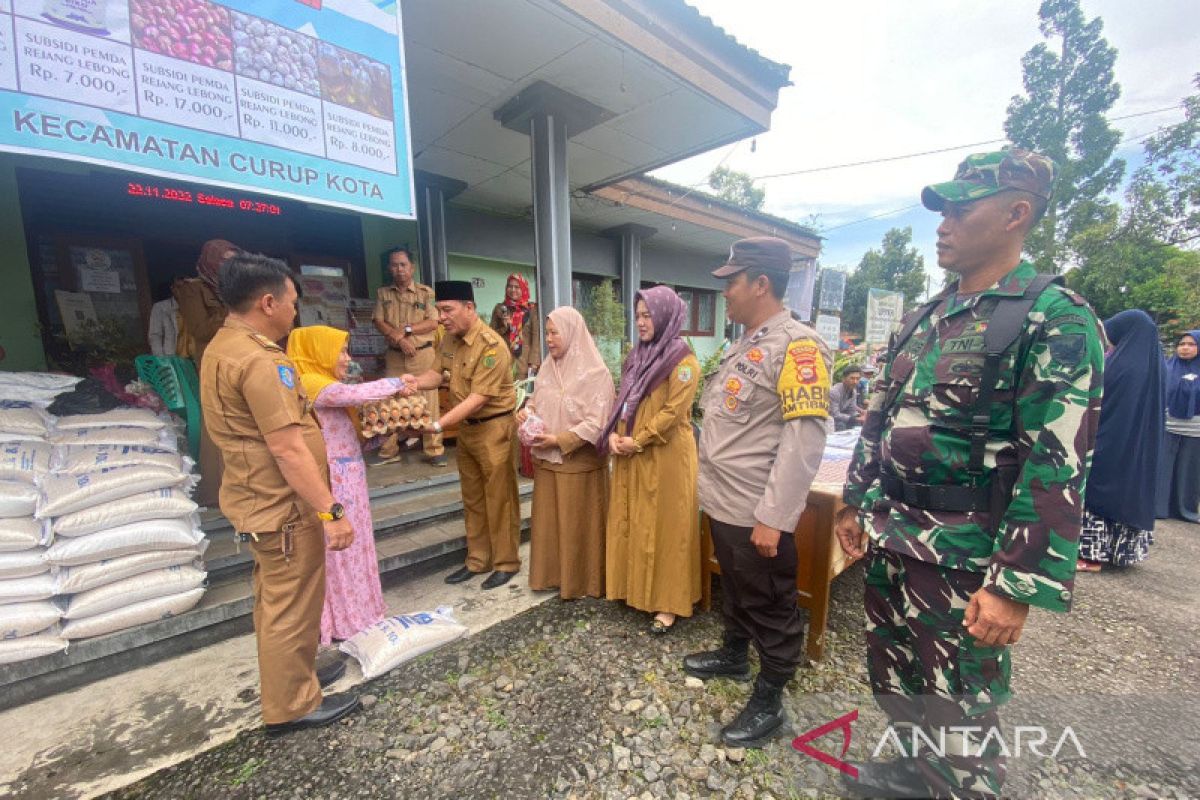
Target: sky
[{"x": 880, "y": 78}]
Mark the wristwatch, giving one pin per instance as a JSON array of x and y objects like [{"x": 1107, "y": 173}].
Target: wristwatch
[
  {"x": 408, "y": 330},
  {"x": 335, "y": 512},
  {"x": 437, "y": 426}
]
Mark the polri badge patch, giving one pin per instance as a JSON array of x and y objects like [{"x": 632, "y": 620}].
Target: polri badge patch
[
  {"x": 755, "y": 355},
  {"x": 803, "y": 384},
  {"x": 733, "y": 386},
  {"x": 287, "y": 376}
]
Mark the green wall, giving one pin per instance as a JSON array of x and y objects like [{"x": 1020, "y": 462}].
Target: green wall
[
  {"x": 19, "y": 334},
  {"x": 495, "y": 277}
]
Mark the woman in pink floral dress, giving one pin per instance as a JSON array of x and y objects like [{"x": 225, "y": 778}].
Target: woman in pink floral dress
[{"x": 353, "y": 596}]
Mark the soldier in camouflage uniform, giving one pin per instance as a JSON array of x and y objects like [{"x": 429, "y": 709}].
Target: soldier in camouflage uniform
[{"x": 960, "y": 548}]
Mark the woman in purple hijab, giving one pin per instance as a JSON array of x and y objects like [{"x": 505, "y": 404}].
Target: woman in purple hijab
[{"x": 653, "y": 534}]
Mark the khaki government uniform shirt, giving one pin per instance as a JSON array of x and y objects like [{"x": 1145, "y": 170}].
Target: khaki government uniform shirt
[
  {"x": 763, "y": 435},
  {"x": 479, "y": 363},
  {"x": 249, "y": 388},
  {"x": 400, "y": 307}
]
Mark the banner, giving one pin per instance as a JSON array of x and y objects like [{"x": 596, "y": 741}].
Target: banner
[
  {"x": 297, "y": 98},
  {"x": 829, "y": 328},
  {"x": 799, "y": 297},
  {"x": 884, "y": 310},
  {"x": 833, "y": 288}
]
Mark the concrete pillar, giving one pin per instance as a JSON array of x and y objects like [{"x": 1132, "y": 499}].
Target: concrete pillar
[
  {"x": 551, "y": 210},
  {"x": 550, "y": 116},
  {"x": 630, "y": 238},
  {"x": 433, "y": 192}
]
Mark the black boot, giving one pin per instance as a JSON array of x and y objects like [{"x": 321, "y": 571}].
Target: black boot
[
  {"x": 762, "y": 719},
  {"x": 728, "y": 661}
]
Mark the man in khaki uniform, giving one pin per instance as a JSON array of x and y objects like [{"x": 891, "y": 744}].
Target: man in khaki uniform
[
  {"x": 276, "y": 486},
  {"x": 481, "y": 388},
  {"x": 765, "y": 412},
  {"x": 405, "y": 314}
]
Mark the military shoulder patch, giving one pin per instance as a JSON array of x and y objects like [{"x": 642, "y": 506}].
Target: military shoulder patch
[
  {"x": 287, "y": 376},
  {"x": 803, "y": 384}
]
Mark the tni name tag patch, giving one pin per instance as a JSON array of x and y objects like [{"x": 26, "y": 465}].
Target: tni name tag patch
[{"x": 804, "y": 382}]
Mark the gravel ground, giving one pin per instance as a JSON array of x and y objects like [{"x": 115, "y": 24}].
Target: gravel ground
[{"x": 578, "y": 700}]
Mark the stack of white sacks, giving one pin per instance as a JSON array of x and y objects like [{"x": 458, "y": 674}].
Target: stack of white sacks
[{"x": 97, "y": 531}]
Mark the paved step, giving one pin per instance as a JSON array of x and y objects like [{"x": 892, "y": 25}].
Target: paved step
[{"x": 415, "y": 523}]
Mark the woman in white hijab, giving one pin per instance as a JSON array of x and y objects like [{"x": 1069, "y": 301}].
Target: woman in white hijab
[{"x": 573, "y": 399}]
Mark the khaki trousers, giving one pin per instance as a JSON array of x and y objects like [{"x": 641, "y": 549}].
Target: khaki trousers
[
  {"x": 399, "y": 364},
  {"x": 289, "y": 591},
  {"x": 487, "y": 458}
]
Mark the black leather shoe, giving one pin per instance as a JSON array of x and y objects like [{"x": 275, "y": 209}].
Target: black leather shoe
[
  {"x": 729, "y": 661},
  {"x": 897, "y": 778},
  {"x": 332, "y": 708},
  {"x": 331, "y": 673},
  {"x": 498, "y": 578},
  {"x": 761, "y": 720},
  {"x": 460, "y": 575}
]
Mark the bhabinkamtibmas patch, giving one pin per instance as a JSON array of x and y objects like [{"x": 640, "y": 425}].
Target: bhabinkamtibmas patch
[{"x": 804, "y": 381}]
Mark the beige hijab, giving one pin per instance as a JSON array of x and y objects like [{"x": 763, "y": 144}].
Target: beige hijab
[{"x": 573, "y": 393}]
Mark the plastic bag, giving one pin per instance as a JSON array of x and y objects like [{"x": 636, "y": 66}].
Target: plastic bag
[
  {"x": 530, "y": 429},
  {"x": 23, "y": 533},
  {"x": 84, "y": 577},
  {"x": 129, "y": 616},
  {"x": 24, "y": 461},
  {"x": 87, "y": 458},
  {"x": 22, "y": 419},
  {"x": 39, "y": 388},
  {"x": 24, "y": 590},
  {"x": 88, "y": 397},
  {"x": 26, "y": 619},
  {"x": 164, "y": 438},
  {"x": 27, "y": 647},
  {"x": 24, "y": 564},
  {"x": 63, "y": 494},
  {"x": 140, "y": 537},
  {"x": 135, "y": 589},
  {"x": 169, "y": 503},
  {"x": 117, "y": 417},
  {"x": 394, "y": 640},
  {"x": 17, "y": 499}
]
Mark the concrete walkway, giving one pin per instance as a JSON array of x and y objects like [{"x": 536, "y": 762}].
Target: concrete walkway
[{"x": 113, "y": 732}]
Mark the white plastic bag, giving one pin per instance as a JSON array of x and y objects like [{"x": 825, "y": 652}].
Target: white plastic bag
[
  {"x": 25, "y": 590},
  {"x": 394, "y": 640},
  {"x": 39, "y": 388},
  {"x": 27, "y": 647},
  {"x": 89, "y": 458},
  {"x": 24, "y": 564},
  {"x": 23, "y": 533},
  {"x": 137, "y": 537},
  {"x": 62, "y": 494},
  {"x": 81, "y": 578},
  {"x": 168, "y": 503},
  {"x": 24, "y": 461},
  {"x": 26, "y": 619},
  {"x": 117, "y": 417},
  {"x": 126, "y": 592},
  {"x": 23, "y": 419},
  {"x": 17, "y": 499},
  {"x": 140, "y": 437},
  {"x": 136, "y": 614}
]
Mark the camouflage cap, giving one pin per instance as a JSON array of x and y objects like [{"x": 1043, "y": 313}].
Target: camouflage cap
[{"x": 985, "y": 174}]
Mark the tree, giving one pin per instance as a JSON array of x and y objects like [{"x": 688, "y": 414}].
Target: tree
[
  {"x": 1164, "y": 195},
  {"x": 896, "y": 266},
  {"x": 737, "y": 188},
  {"x": 605, "y": 318},
  {"x": 1068, "y": 90}
]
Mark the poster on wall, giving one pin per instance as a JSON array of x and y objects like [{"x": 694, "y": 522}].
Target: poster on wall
[
  {"x": 884, "y": 310},
  {"x": 297, "y": 98}
]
